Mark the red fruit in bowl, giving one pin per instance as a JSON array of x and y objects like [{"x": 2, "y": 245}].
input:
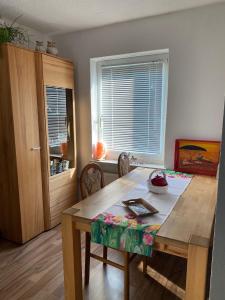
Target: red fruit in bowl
[{"x": 159, "y": 181}]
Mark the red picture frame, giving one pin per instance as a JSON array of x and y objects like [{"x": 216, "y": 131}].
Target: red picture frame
[{"x": 197, "y": 156}]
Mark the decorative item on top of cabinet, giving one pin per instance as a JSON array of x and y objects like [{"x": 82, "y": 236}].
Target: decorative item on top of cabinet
[
  {"x": 40, "y": 46},
  {"x": 12, "y": 33},
  {"x": 51, "y": 48},
  {"x": 55, "y": 78}
]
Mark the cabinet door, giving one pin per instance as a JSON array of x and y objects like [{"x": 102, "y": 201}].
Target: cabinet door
[
  {"x": 55, "y": 77},
  {"x": 26, "y": 130}
]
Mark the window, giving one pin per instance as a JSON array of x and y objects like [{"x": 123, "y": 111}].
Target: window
[{"x": 129, "y": 94}]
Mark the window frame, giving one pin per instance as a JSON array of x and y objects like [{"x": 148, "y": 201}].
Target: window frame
[{"x": 137, "y": 57}]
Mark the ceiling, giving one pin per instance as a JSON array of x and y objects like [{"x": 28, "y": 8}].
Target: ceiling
[{"x": 60, "y": 16}]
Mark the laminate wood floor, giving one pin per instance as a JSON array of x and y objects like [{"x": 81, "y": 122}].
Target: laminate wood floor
[{"x": 35, "y": 271}]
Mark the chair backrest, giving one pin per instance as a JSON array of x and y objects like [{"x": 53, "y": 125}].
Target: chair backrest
[
  {"x": 123, "y": 164},
  {"x": 91, "y": 179}
]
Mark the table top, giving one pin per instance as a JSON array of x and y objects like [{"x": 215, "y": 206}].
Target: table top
[{"x": 190, "y": 221}]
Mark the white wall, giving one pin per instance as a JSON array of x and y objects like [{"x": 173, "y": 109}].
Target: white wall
[
  {"x": 35, "y": 35},
  {"x": 196, "y": 40}
]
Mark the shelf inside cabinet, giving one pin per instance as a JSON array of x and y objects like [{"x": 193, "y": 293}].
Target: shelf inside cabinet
[{"x": 62, "y": 173}]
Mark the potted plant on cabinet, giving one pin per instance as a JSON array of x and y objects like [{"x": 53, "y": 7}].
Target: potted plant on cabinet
[{"x": 12, "y": 33}]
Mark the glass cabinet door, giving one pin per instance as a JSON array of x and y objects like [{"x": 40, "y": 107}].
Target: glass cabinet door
[{"x": 59, "y": 103}]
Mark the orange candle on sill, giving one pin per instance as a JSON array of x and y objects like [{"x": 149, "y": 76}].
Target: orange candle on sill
[{"x": 100, "y": 150}]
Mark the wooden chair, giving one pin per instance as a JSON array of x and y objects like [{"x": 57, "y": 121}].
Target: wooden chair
[
  {"x": 123, "y": 164},
  {"x": 92, "y": 180}
]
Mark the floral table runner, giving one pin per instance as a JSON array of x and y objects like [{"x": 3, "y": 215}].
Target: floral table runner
[{"x": 118, "y": 228}]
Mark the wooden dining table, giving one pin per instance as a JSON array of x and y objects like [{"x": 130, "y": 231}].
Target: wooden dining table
[{"x": 185, "y": 233}]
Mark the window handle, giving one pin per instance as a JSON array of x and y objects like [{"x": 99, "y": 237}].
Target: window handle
[
  {"x": 101, "y": 122},
  {"x": 36, "y": 148}
]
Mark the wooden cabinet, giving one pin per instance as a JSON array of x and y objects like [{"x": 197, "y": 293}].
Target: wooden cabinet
[
  {"x": 21, "y": 201},
  {"x": 55, "y": 77},
  {"x": 31, "y": 196}
]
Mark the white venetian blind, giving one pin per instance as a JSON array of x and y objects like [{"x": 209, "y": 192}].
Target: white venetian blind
[
  {"x": 131, "y": 100},
  {"x": 57, "y": 115}
]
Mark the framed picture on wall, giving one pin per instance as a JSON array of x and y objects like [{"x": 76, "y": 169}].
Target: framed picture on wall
[{"x": 197, "y": 156}]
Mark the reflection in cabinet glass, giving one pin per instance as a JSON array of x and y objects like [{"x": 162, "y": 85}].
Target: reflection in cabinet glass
[{"x": 60, "y": 135}]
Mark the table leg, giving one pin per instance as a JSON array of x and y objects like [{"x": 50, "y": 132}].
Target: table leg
[
  {"x": 71, "y": 259},
  {"x": 196, "y": 272},
  {"x": 126, "y": 276}
]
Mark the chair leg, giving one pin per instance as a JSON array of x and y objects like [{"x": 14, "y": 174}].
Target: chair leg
[
  {"x": 105, "y": 250},
  {"x": 145, "y": 263},
  {"x": 126, "y": 275},
  {"x": 87, "y": 257}
]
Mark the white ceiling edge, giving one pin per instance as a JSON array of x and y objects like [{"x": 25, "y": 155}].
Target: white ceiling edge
[
  {"x": 54, "y": 17},
  {"x": 62, "y": 32}
]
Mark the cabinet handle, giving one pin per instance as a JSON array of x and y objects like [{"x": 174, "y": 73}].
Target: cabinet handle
[{"x": 35, "y": 148}]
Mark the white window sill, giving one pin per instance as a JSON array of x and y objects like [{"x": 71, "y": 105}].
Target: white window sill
[{"x": 114, "y": 162}]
